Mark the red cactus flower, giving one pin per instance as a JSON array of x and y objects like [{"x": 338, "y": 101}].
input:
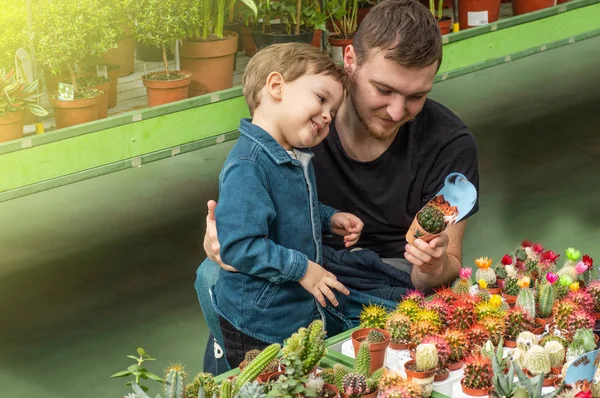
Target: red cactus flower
[
  {"x": 526, "y": 243},
  {"x": 538, "y": 248},
  {"x": 549, "y": 257},
  {"x": 587, "y": 260},
  {"x": 507, "y": 260}
]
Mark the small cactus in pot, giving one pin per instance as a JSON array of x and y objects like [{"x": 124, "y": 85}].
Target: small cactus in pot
[
  {"x": 537, "y": 360},
  {"x": 477, "y": 373},
  {"x": 485, "y": 271},
  {"x": 556, "y": 353},
  {"x": 525, "y": 298},
  {"x": 398, "y": 325},
  {"x": 594, "y": 291},
  {"x": 457, "y": 342},
  {"x": 463, "y": 283},
  {"x": 428, "y": 224},
  {"x": 373, "y": 316},
  {"x": 545, "y": 300}
]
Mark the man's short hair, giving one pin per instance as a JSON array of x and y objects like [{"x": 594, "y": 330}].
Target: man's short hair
[
  {"x": 404, "y": 29},
  {"x": 291, "y": 60}
]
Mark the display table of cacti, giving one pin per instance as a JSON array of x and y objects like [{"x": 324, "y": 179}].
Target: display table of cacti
[{"x": 535, "y": 337}]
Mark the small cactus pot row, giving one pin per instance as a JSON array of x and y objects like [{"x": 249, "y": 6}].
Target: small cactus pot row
[{"x": 376, "y": 349}]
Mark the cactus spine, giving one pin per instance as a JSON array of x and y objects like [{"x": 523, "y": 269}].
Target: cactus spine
[
  {"x": 255, "y": 367},
  {"x": 546, "y": 300},
  {"x": 426, "y": 357},
  {"x": 431, "y": 219},
  {"x": 398, "y": 325},
  {"x": 174, "y": 380},
  {"x": 375, "y": 336},
  {"x": 373, "y": 316},
  {"x": 354, "y": 384}
]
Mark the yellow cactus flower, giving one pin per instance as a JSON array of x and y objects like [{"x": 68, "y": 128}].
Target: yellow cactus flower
[
  {"x": 574, "y": 286},
  {"x": 482, "y": 284},
  {"x": 495, "y": 300},
  {"x": 524, "y": 282},
  {"x": 483, "y": 262}
]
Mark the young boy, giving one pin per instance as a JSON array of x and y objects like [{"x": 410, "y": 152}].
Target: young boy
[{"x": 269, "y": 219}]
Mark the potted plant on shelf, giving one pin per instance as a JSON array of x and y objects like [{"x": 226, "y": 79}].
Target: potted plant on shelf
[
  {"x": 123, "y": 52},
  {"x": 422, "y": 369},
  {"x": 208, "y": 53},
  {"x": 315, "y": 19},
  {"x": 67, "y": 33},
  {"x": 161, "y": 23},
  {"x": 289, "y": 29},
  {"x": 473, "y": 13},
  {"x": 443, "y": 22},
  {"x": 18, "y": 96},
  {"x": 343, "y": 22}
]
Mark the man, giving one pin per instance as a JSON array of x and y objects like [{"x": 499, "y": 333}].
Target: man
[{"x": 388, "y": 153}]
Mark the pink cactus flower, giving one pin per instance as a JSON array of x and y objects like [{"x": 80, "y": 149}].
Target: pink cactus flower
[
  {"x": 581, "y": 267},
  {"x": 465, "y": 273},
  {"x": 551, "y": 277}
]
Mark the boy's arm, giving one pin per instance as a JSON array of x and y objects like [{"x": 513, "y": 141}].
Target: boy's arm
[
  {"x": 243, "y": 215},
  {"x": 326, "y": 213}
]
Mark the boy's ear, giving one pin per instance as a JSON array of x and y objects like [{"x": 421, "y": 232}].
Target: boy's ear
[{"x": 275, "y": 85}]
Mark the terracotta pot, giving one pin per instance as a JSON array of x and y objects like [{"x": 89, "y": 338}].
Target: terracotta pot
[
  {"x": 247, "y": 41},
  {"x": 274, "y": 376},
  {"x": 494, "y": 290},
  {"x": 163, "y": 92},
  {"x": 113, "y": 75},
  {"x": 398, "y": 346},
  {"x": 317, "y": 38},
  {"x": 510, "y": 300},
  {"x": 520, "y": 7},
  {"x": 11, "y": 125},
  {"x": 544, "y": 321},
  {"x": 538, "y": 329},
  {"x": 550, "y": 378},
  {"x": 361, "y": 13},
  {"x": 211, "y": 63},
  {"x": 103, "y": 102},
  {"x": 52, "y": 80},
  {"x": 277, "y": 33},
  {"x": 332, "y": 388},
  {"x": 377, "y": 350},
  {"x": 525, "y": 6},
  {"x": 123, "y": 55},
  {"x": 445, "y": 24},
  {"x": 72, "y": 113},
  {"x": 477, "y": 12},
  {"x": 510, "y": 343},
  {"x": 29, "y": 118},
  {"x": 422, "y": 379},
  {"x": 370, "y": 395},
  {"x": 454, "y": 366},
  {"x": 441, "y": 374},
  {"x": 338, "y": 47},
  {"x": 474, "y": 392}
]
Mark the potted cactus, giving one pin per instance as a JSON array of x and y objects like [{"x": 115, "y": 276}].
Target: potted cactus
[
  {"x": 398, "y": 326},
  {"x": 443, "y": 349},
  {"x": 486, "y": 273},
  {"x": 516, "y": 321},
  {"x": 358, "y": 381},
  {"x": 428, "y": 223},
  {"x": 463, "y": 283},
  {"x": 457, "y": 342},
  {"x": 546, "y": 300},
  {"x": 510, "y": 289},
  {"x": 556, "y": 354},
  {"x": 18, "y": 97},
  {"x": 422, "y": 369},
  {"x": 477, "y": 378},
  {"x": 525, "y": 298},
  {"x": 377, "y": 340}
]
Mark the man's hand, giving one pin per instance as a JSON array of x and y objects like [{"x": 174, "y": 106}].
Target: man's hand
[
  {"x": 430, "y": 258},
  {"x": 318, "y": 281},
  {"x": 347, "y": 225},
  {"x": 211, "y": 241}
]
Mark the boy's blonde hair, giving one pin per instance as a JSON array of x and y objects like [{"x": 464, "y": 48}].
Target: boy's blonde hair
[{"x": 291, "y": 60}]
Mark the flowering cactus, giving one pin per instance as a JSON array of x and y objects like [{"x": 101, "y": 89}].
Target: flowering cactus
[
  {"x": 477, "y": 372},
  {"x": 442, "y": 346},
  {"x": 426, "y": 357},
  {"x": 485, "y": 272},
  {"x": 457, "y": 342},
  {"x": 398, "y": 325},
  {"x": 594, "y": 291}
]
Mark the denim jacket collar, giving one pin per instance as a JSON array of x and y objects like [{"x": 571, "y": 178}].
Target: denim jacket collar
[{"x": 270, "y": 145}]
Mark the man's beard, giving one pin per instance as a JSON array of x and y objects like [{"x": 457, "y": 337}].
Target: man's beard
[{"x": 374, "y": 131}]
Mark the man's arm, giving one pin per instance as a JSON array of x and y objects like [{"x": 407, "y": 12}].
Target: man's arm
[{"x": 437, "y": 263}]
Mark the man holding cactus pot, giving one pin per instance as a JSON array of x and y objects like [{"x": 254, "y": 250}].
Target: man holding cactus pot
[{"x": 387, "y": 154}]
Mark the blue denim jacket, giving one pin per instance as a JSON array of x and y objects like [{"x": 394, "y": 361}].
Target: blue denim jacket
[{"x": 269, "y": 223}]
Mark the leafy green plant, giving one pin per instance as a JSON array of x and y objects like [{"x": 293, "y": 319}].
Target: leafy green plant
[
  {"x": 13, "y": 34},
  {"x": 210, "y": 15},
  {"x": 343, "y": 15},
  {"x": 138, "y": 371},
  {"x": 439, "y": 9},
  {"x": 16, "y": 95},
  {"x": 69, "y": 32}
]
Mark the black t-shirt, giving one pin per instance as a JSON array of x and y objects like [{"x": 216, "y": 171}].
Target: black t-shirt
[{"x": 387, "y": 192}]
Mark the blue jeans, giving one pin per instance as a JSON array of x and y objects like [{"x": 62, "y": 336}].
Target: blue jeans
[{"x": 215, "y": 361}]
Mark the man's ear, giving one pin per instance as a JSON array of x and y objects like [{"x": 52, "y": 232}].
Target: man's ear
[
  {"x": 350, "y": 63},
  {"x": 274, "y": 85}
]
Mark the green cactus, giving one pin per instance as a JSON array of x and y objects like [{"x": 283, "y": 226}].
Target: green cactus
[
  {"x": 461, "y": 286},
  {"x": 308, "y": 344},
  {"x": 354, "y": 385},
  {"x": 340, "y": 371},
  {"x": 516, "y": 322},
  {"x": 362, "y": 364},
  {"x": 526, "y": 301},
  {"x": 375, "y": 336},
  {"x": 174, "y": 381},
  {"x": 537, "y": 360},
  {"x": 375, "y": 378},
  {"x": 511, "y": 286},
  {"x": 431, "y": 219},
  {"x": 532, "y": 388},
  {"x": 408, "y": 308},
  {"x": 477, "y": 372},
  {"x": 545, "y": 300},
  {"x": 556, "y": 353},
  {"x": 203, "y": 386},
  {"x": 426, "y": 357},
  {"x": 254, "y": 368},
  {"x": 398, "y": 326},
  {"x": 226, "y": 389}
]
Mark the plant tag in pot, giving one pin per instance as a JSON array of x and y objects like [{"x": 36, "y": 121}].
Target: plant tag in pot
[
  {"x": 66, "y": 92},
  {"x": 102, "y": 70},
  {"x": 450, "y": 205}
]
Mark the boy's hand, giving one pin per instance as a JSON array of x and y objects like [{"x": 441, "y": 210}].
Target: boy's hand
[
  {"x": 347, "y": 225},
  {"x": 317, "y": 281}
]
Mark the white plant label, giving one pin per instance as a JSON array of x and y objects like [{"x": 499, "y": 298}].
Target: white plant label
[
  {"x": 102, "y": 70},
  {"x": 478, "y": 18},
  {"x": 66, "y": 92}
]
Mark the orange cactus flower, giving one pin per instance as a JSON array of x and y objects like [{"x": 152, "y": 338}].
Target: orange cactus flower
[{"x": 483, "y": 262}]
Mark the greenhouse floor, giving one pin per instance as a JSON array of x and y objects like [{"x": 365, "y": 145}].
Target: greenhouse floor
[{"x": 95, "y": 269}]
